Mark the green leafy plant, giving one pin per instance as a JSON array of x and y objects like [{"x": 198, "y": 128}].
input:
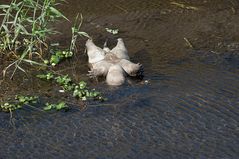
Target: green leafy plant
[
  {"x": 19, "y": 102},
  {"x": 65, "y": 82},
  {"x": 58, "y": 56},
  {"x": 47, "y": 76},
  {"x": 25, "y": 28},
  {"x": 79, "y": 90},
  {"x": 75, "y": 32},
  {"x": 59, "y": 106}
]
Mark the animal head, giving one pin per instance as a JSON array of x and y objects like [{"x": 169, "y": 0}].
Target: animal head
[{"x": 95, "y": 54}]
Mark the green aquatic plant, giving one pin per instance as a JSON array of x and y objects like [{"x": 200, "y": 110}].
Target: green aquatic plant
[
  {"x": 79, "y": 90},
  {"x": 58, "y": 56},
  {"x": 47, "y": 76},
  {"x": 18, "y": 103},
  {"x": 59, "y": 106},
  {"x": 65, "y": 82},
  {"x": 82, "y": 91}
]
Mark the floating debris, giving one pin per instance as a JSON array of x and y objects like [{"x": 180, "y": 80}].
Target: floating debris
[
  {"x": 188, "y": 42},
  {"x": 184, "y": 6},
  {"x": 112, "y": 31}
]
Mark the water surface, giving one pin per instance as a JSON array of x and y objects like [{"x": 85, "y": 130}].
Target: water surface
[{"x": 189, "y": 108}]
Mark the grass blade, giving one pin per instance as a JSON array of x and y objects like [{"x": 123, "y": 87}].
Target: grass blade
[
  {"x": 4, "y": 6},
  {"x": 58, "y": 13},
  {"x": 34, "y": 62},
  {"x": 83, "y": 34}
]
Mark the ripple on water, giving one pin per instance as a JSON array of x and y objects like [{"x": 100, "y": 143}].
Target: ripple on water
[{"x": 189, "y": 110}]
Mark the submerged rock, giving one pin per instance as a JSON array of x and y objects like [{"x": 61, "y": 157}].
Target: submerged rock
[{"x": 113, "y": 64}]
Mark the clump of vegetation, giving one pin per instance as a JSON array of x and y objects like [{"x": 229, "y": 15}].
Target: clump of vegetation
[
  {"x": 78, "y": 90},
  {"x": 59, "y": 106},
  {"x": 58, "y": 56},
  {"x": 24, "y": 33},
  {"x": 25, "y": 29},
  {"x": 21, "y": 101},
  {"x": 75, "y": 32},
  {"x": 18, "y": 103},
  {"x": 82, "y": 91}
]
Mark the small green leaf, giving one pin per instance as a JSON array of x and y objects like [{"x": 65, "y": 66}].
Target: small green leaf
[
  {"x": 84, "y": 98},
  {"x": 48, "y": 107},
  {"x": 82, "y": 84},
  {"x": 46, "y": 62},
  {"x": 54, "y": 59}
]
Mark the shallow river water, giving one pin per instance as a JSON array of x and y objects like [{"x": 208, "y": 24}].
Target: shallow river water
[{"x": 187, "y": 105}]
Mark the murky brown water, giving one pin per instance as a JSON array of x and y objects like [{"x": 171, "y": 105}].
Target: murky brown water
[{"x": 189, "y": 110}]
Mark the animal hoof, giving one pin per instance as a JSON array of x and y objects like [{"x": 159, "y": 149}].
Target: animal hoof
[
  {"x": 92, "y": 74},
  {"x": 140, "y": 71}
]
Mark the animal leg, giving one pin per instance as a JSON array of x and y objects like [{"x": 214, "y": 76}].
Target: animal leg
[
  {"x": 99, "y": 69},
  {"x": 131, "y": 68}
]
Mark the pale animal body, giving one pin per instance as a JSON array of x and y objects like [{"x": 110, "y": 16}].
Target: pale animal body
[
  {"x": 116, "y": 75},
  {"x": 113, "y": 64}
]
